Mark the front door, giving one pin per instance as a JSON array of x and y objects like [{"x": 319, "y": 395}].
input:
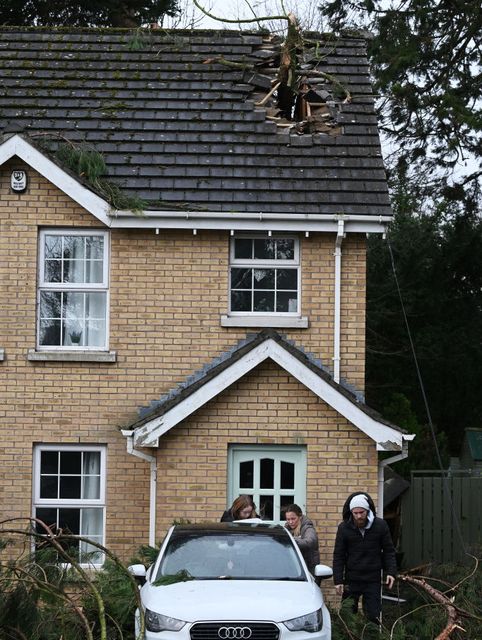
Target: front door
[{"x": 275, "y": 477}]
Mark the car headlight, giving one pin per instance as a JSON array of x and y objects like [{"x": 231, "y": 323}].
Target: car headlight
[
  {"x": 311, "y": 622},
  {"x": 157, "y": 622}
]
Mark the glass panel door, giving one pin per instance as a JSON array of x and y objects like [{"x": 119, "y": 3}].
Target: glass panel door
[{"x": 274, "y": 476}]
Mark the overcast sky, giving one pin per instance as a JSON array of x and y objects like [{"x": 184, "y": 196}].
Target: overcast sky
[{"x": 233, "y": 9}]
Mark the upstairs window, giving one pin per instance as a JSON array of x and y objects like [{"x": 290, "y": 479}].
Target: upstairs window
[
  {"x": 264, "y": 275},
  {"x": 73, "y": 289}
]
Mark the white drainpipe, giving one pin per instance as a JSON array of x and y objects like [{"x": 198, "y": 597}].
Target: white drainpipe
[
  {"x": 153, "y": 483},
  {"x": 381, "y": 468},
  {"x": 337, "y": 319}
]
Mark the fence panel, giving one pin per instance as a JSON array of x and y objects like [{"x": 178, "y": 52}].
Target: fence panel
[{"x": 441, "y": 519}]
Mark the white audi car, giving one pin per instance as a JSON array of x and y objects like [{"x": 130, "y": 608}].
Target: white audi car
[{"x": 231, "y": 581}]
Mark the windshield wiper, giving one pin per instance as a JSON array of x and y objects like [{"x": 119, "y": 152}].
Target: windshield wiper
[{"x": 288, "y": 579}]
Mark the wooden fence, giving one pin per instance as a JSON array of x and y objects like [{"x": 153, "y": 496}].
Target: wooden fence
[{"x": 441, "y": 518}]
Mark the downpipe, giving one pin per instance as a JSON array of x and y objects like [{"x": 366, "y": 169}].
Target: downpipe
[{"x": 129, "y": 435}]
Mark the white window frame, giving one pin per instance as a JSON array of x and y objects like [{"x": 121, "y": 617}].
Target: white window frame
[
  {"x": 71, "y": 503},
  {"x": 245, "y": 452},
  {"x": 101, "y": 287},
  {"x": 272, "y": 264}
]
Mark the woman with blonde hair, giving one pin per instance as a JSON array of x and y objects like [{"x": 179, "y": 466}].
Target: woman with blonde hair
[{"x": 241, "y": 509}]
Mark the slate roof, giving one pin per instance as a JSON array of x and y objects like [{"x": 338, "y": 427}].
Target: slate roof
[
  {"x": 212, "y": 369},
  {"x": 178, "y": 126}
]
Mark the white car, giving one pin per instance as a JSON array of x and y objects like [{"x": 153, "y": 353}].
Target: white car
[{"x": 232, "y": 581}]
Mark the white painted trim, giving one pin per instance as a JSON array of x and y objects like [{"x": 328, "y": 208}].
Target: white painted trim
[
  {"x": 17, "y": 146},
  {"x": 2, "y": 354},
  {"x": 245, "y": 221},
  {"x": 261, "y": 216},
  {"x": 84, "y": 287},
  {"x": 271, "y": 321},
  {"x": 386, "y": 438}
]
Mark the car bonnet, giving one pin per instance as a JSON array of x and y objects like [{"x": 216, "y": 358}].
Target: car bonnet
[{"x": 198, "y": 600}]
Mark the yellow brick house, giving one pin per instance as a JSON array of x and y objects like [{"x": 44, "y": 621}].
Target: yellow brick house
[{"x": 182, "y": 279}]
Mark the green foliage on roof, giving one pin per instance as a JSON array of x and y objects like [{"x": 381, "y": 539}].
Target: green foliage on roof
[{"x": 90, "y": 165}]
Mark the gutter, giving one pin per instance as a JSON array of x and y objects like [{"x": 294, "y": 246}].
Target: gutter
[
  {"x": 337, "y": 320},
  {"x": 234, "y": 215},
  {"x": 248, "y": 221},
  {"x": 129, "y": 435}
]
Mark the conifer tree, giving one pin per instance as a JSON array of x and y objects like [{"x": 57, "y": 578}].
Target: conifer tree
[
  {"x": 85, "y": 13},
  {"x": 425, "y": 57}
]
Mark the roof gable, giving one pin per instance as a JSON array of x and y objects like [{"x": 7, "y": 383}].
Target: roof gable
[
  {"x": 17, "y": 146},
  {"x": 223, "y": 372},
  {"x": 179, "y": 118}
]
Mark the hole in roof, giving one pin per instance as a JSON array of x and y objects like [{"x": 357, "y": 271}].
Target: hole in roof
[{"x": 310, "y": 103}]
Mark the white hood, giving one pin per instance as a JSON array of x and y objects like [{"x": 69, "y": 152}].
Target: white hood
[{"x": 241, "y": 599}]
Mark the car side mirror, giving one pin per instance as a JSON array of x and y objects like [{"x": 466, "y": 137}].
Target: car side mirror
[
  {"x": 323, "y": 571},
  {"x": 138, "y": 571}
]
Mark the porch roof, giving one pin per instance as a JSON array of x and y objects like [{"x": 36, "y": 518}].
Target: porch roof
[{"x": 168, "y": 411}]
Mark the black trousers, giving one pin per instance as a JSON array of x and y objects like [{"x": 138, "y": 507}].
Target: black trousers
[{"x": 371, "y": 595}]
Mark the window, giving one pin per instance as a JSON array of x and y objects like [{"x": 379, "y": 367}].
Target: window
[
  {"x": 245, "y": 555},
  {"x": 73, "y": 287},
  {"x": 69, "y": 494},
  {"x": 264, "y": 276},
  {"x": 274, "y": 476}
]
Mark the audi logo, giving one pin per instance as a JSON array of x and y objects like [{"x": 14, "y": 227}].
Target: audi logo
[{"x": 234, "y": 633}]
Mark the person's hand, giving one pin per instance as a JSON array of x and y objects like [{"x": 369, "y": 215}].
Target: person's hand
[
  {"x": 390, "y": 581},
  {"x": 339, "y": 589}
]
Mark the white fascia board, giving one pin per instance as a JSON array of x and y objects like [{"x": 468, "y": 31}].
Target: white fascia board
[
  {"x": 149, "y": 432},
  {"x": 17, "y": 146},
  {"x": 248, "y": 221},
  {"x": 386, "y": 438}
]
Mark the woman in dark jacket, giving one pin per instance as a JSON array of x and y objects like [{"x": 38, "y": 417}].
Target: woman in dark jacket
[{"x": 304, "y": 533}]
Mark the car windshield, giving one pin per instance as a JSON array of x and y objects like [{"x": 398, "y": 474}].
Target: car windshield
[{"x": 243, "y": 556}]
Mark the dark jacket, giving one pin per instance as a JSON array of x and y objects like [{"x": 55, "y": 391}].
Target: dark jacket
[
  {"x": 227, "y": 516},
  {"x": 360, "y": 558},
  {"x": 307, "y": 541}
]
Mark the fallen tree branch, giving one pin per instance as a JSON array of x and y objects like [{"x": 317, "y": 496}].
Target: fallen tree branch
[{"x": 453, "y": 616}]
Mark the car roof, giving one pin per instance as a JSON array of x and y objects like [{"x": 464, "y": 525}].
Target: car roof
[{"x": 250, "y": 528}]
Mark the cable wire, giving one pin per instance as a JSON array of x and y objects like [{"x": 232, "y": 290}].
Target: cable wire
[{"x": 425, "y": 401}]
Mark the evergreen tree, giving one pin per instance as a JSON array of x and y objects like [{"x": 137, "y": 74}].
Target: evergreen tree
[
  {"x": 437, "y": 255},
  {"x": 425, "y": 57},
  {"x": 85, "y": 13}
]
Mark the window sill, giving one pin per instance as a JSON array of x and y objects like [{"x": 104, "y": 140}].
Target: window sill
[
  {"x": 2, "y": 354},
  {"x": 71, "y": 356},
  {"x": 268, "y": 321}
]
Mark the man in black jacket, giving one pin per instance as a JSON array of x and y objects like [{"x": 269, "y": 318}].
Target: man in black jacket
[{"x": 363, "y": 548}]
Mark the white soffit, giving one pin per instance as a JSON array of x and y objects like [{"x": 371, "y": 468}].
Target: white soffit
[{"x": 387, "y": 438}]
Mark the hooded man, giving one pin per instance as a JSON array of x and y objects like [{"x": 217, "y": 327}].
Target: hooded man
[{"x": 363, "y": 548}]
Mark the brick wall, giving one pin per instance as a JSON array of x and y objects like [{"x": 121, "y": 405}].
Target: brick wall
[{"x": 167, "y": 294}]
